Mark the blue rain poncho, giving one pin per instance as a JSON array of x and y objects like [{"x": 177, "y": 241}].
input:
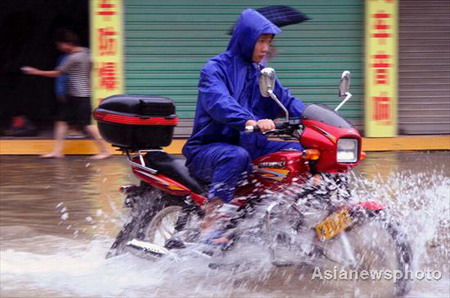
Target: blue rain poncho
[
  {"x": 229, "y": 93},
  {"x": 219, "y": 153}
]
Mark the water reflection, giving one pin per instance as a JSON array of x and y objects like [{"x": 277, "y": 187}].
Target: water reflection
[
  {"x": 56, "y": 196},
  {"x": 58, "y": 218},
  {"x": 383, "y": 164}
]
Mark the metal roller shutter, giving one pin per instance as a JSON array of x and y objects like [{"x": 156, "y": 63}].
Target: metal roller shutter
[
  {"x": 424, "y": 67},
  {"x": 167, "y": 43}
]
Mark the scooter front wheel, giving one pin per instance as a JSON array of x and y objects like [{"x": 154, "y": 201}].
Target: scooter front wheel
[{"x": 375, "y": 254}]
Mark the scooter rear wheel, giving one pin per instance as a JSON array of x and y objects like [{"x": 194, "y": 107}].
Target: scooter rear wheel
[
  {"x": 169, "y": 220},
  {"x": 154, "y": 218}
]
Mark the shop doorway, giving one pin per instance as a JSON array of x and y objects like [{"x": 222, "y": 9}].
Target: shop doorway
[{"x": 27, "y": 30}]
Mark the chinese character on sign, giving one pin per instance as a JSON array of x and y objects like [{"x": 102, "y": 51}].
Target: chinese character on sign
[
  {"x": 381, "y": 26},
  {"x": 381, "y": 108},
  {"x": 106, "y": 41},
  {"x": 381, "y": 65},
  {"x": 107, "y": 75},
  {"x": 106, "y": 8}
]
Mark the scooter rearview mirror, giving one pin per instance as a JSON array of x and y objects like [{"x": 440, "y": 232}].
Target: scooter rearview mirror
[
  {"x": 266, "y": 86},
  {"x": 266, "y": 81},
  {"x": 344, "y": 86},
  {"x": 344, "y": 89}
]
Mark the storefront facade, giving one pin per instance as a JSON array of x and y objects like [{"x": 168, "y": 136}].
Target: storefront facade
[{"x": 166, "y": 44}]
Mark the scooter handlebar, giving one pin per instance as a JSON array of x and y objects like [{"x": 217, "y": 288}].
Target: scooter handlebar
[
  {"x": 252, "y": 128},
  {"x": 255, "y": 128}
]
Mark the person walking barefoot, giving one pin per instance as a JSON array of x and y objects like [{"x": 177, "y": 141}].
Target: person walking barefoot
[{"x": 77, "y": 110}]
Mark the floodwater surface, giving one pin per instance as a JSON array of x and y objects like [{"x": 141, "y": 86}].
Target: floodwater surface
[{"x": 58, "y": 219}]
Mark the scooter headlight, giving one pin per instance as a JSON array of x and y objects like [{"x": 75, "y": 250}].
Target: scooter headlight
[{"x": 347, "y": 150}]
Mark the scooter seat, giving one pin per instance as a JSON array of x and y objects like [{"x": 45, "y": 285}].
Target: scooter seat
[{"x": 174, "y": 168}]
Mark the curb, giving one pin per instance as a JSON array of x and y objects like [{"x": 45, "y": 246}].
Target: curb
[{"x": 87, "y": 147}]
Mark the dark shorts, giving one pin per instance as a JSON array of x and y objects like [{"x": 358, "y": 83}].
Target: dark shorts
[{"x": 75, "y": 111}]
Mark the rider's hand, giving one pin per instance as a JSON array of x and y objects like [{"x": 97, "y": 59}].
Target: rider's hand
[{"x": 265, "y": 124}]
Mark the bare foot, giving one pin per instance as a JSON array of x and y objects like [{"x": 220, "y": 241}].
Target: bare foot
[
  {"x": 317, "y": 179},
  {"x": 211, "y": 216},
  {"x": 220, "y": 240},
  {"x": 52, "y": 155},
  {"x": 101, "y": 156}
]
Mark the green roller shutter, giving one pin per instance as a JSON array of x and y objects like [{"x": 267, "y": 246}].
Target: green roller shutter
[{"x": 167, "y": 43}]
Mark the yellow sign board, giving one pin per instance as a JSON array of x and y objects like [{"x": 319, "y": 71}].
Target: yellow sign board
[
  {"x": 106, "y": 48},
  {"x": 381, "y": 67}
]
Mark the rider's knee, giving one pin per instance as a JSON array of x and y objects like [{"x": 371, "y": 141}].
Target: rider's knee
[
  {"x": 236, "y": 155},
  {"x": 295, "y": 146},
  {"x": 241, "y": 155}
]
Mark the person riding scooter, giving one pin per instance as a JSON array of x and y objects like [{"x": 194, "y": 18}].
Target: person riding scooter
[{"x": 219, "y": 152}]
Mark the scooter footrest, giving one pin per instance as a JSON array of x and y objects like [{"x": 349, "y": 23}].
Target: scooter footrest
[{"x": 147, "y": 247}]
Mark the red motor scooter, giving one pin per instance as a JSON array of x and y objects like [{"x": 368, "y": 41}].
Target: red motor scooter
[{"x": 306, "y": 198}]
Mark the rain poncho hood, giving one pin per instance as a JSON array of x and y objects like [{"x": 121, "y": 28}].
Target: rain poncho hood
[
  {"x": 229, "y": 92},
  {"x": 247, "y": 30}
]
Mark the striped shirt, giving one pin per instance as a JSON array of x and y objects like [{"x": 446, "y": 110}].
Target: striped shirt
[{"x": 77, "y": 66}]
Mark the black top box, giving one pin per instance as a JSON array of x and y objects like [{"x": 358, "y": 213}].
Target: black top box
[{"x": 136, "y": 121}]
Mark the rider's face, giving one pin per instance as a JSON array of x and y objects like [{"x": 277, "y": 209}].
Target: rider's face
[{"x": 262, "y": 46}]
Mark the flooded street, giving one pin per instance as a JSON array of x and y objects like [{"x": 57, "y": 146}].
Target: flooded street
[{"x": 58, "y": 219}]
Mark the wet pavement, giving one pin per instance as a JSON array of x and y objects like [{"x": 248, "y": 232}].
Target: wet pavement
[{"x": 59, "y": 217}]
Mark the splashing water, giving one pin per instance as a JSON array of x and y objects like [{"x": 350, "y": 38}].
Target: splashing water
[
  {"x": 47, "y": 265},
  {"x": 421, "y": 204}
]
